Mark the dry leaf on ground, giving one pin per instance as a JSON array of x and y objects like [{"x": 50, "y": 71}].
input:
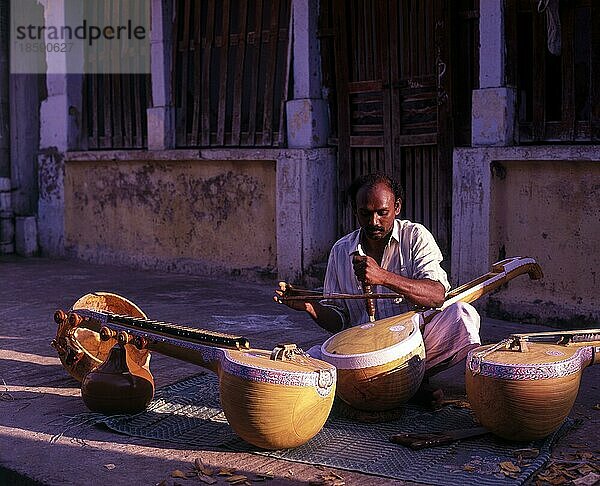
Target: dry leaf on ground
[
  {"x": 510, "y": 467},
  {"x": 178, "y": 474},
  {"x": 330, "y": 478},
  {"x": 206, "y": 479},
  {"x": 584, "y": 469},
  {"x": 562, "y": 473},
  {"x": 236, "y": 479},
  {"x": 585, "y": 455},
  {"x": 226, "y": 471},
  {"x": 590, "y": 479},
  {"x": 201, "y": 468},
  {"x": 527, "y": 453}
]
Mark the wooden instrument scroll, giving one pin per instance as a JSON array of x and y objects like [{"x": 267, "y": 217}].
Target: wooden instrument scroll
[
  {"x": 81, "y": 350},
  {"x": 273, "y": 399},
  {"x": 380, "y": 365},
  {"x": 524, "y": 387}
]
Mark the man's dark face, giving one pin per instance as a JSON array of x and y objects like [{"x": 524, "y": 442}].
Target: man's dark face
[{"x": 376, "y": 210}]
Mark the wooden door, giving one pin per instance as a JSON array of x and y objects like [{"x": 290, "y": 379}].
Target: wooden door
[{"x": 393, "y": 111}]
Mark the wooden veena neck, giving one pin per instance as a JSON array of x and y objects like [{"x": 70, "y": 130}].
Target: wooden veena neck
[
  {"x": 578, "y": 338},
  {"x": 501, "y": 273},
  {"x": 189, "y": 334},
  {"x": 145, "y": 327}
]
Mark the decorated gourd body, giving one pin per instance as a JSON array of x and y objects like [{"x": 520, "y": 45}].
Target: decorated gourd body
[
  {"x": 275, "y": 405},
  {"x": 524, "y": 395},
  {"x": 379, "y": 365}
]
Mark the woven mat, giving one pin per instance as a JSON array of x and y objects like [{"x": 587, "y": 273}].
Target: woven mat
[{"x": 189, "y": 413}]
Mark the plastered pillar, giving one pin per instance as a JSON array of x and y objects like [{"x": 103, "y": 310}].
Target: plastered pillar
[
  {"x": 494, "y": 104},
  {"x": 161, "y": 116},
  {"x": 60, "y": 122},
  {"x": 306, "y": 210},
  {"x": 492, "y": 125},
  {"x": 307, "y": 112},
  {"x": 306, "y": 173}
]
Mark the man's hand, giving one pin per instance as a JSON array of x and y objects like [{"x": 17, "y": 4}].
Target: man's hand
[
  {"x": 421, "y": 292},
  {"x": 326, "y": 317},
  {"x": 367, "y": 270},
  {"x": 285, "y": 289}
]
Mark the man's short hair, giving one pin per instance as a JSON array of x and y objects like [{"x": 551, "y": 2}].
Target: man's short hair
[{"x": 370, "y": 180}]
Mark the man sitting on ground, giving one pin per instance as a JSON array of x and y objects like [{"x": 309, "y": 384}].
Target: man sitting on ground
[{"x": 403, "y": 257}]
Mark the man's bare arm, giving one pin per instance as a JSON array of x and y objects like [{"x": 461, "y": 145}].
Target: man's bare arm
[
  {"x": 325, "y": 316},
  {"x": 422, "y": 292}
]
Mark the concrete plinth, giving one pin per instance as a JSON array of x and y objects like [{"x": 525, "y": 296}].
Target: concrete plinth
[
  {"x": 26, "y": 235},
  {"x": 493, "y": 117},
  {"x": 307, "y": 123}
]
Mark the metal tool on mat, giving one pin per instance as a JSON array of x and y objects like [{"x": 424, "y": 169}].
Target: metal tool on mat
[{"x": 434, "y": 439}]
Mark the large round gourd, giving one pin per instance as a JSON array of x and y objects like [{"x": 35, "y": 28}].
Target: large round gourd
[
  {"x": 275, "y": 404},
  {"x": 524, "y": 395},
  {"x": 379, "y": 365},
  {"x": 81, "y": 350}
]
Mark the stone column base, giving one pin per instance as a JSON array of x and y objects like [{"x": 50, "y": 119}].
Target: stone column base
[
  {"x": 307, "y": 123},
  {"x": 493, "y": 117},
  {"x": 161, "y": 127},
  {"x": 26, "y": 236}
]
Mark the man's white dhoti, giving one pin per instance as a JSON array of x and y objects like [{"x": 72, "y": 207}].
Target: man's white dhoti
[{"x": 450, "y": 333}]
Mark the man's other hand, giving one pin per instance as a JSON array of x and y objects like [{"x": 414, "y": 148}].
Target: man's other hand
[{"x": 284, "y": 290}]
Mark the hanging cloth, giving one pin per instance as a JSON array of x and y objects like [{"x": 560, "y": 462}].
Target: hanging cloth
[{"x": 551, "y": 7}]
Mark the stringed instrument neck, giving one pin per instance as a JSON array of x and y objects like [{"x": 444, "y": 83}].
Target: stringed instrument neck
[
  {"x": 189, "y": 334},
  {"x": 189, "y": 344},
  {"x": 501, "y": 273},
  {"x": 275, "y": 399}
]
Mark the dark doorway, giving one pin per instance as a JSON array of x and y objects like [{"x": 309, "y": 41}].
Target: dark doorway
[{"x": 387, "y": 65}]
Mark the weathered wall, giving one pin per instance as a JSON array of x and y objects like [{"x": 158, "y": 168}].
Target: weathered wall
[
  {"x": 542, "y": 202},
  {"x": 202, "y": 217},
  {"x": 286, "y": 226},
  {"x": 551, "y": 211}
]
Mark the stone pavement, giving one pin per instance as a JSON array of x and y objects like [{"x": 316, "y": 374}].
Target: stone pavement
[{"x": 37, "y": 396}]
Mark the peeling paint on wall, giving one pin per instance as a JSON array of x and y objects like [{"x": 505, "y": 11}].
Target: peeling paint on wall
[
  {"x": 180, "y": 215},
  {"x": 51, "y": 167},
  {"x": 213, "y": 199}
]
